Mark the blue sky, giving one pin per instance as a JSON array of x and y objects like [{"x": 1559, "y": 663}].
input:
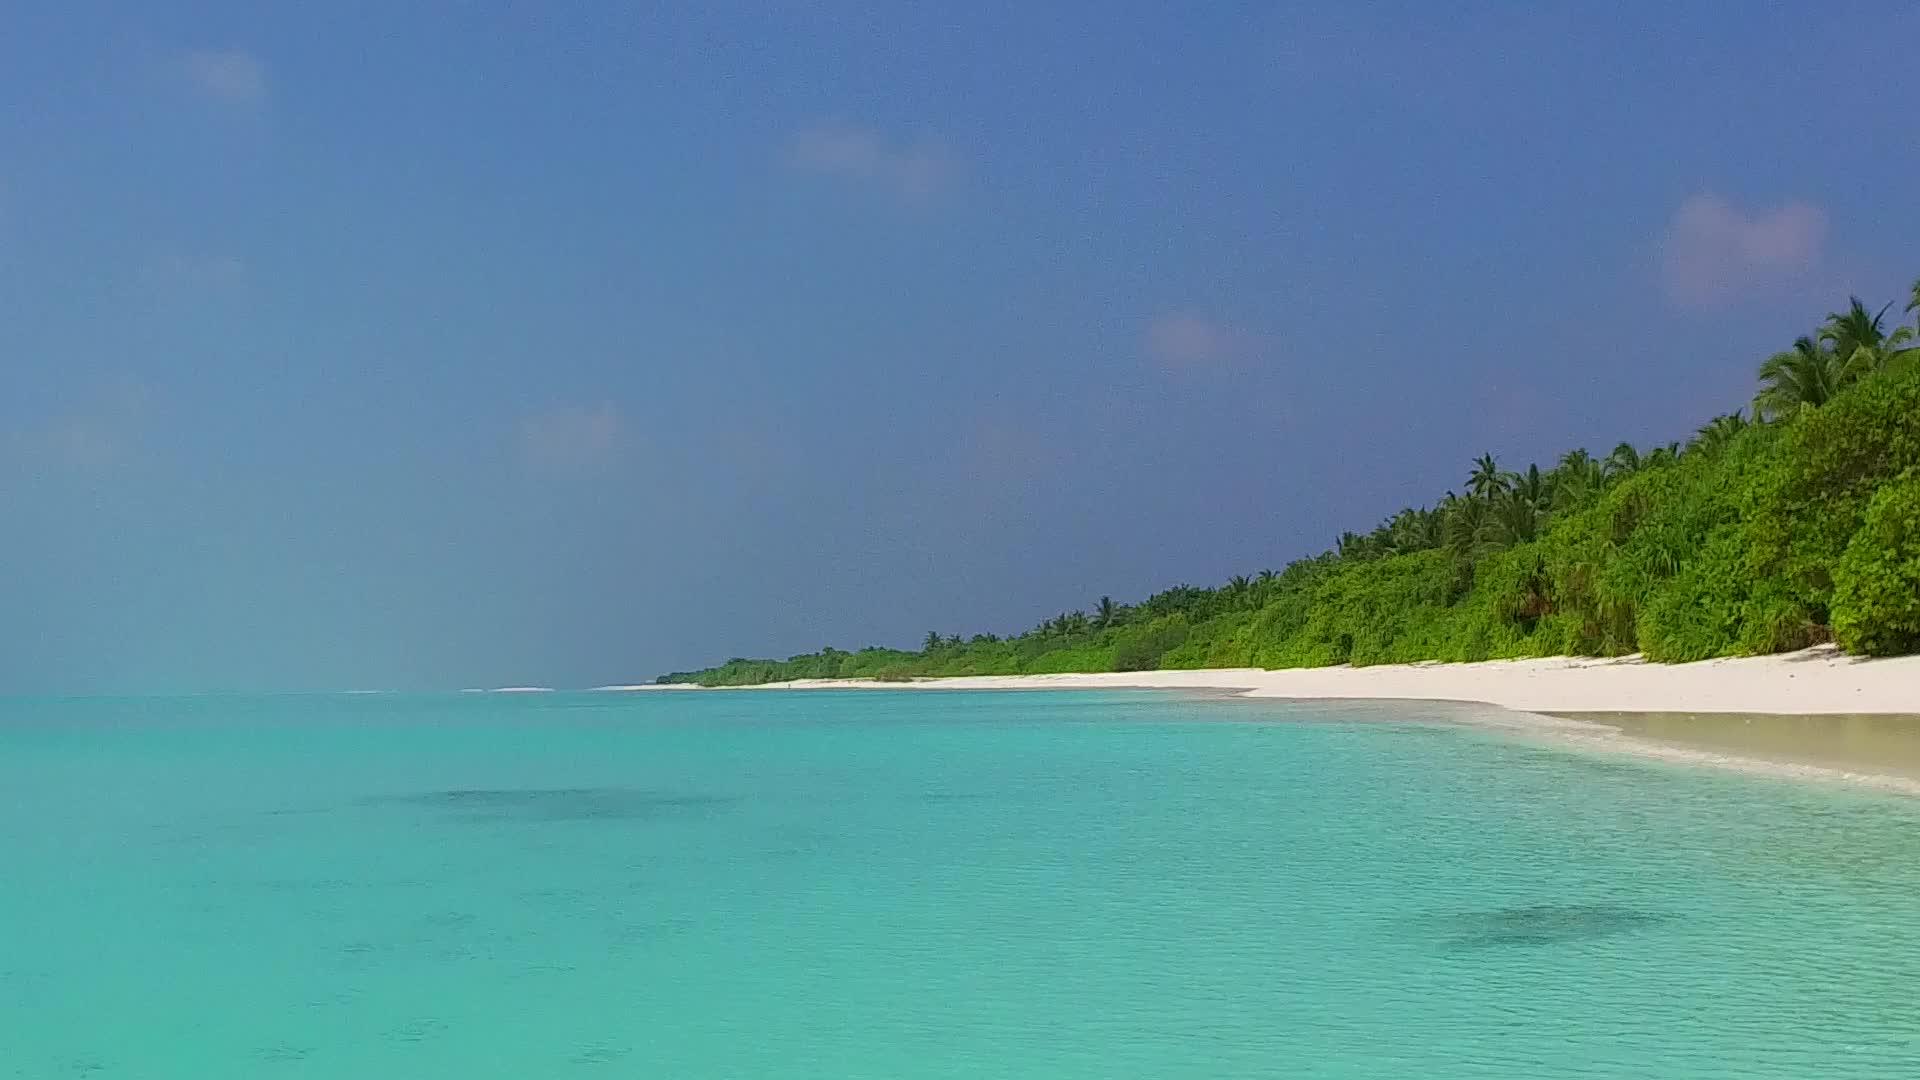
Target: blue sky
[{"x": 425, "y": 346}]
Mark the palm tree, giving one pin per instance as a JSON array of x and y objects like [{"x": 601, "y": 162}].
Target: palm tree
[
  {"x": 1576, "y": 478},
  {"x": 1906, "y": 334},
  {"x": 1467, "y": 524},
  {"x": 932, "y": 642},
  {"x": 1515, "y": 519},
  {"x": 1238, "y": 591},
  {"x": 1486, "y": 480},
  {"x": 1853, "y": 330},
  {"x": 1803, "y": 377},
  {"x": 1862, "y": 345},
  {"x": 1412, "y": 530},
  {"x": 1714, "y": 436},
  {"x": 1531, "y": 487},
  {"x": 1624, "y": 461},
  {"x": 1432, "y": 527},
  {"x": 1512, "y": 514},
  {"x": 1103, "y": 613}
]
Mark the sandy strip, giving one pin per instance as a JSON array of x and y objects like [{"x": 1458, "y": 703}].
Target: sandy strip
[
  {"x": 1878, "y": 750},
  {"x": 1817, "y": 680},
  {"x": 1651, "y": 703}
]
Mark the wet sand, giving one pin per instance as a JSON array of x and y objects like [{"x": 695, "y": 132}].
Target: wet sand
[{"x": 1847, "y": 745}]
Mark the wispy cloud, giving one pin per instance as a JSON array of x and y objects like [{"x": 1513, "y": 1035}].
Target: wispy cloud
[
  {"x": 232, "y": 76},
  {"x": 1184, "y": 340},
  {"x": 571, "y": 436},
  {"x": 913, "y": 168},
  {"x": 1714, "y": 252}
]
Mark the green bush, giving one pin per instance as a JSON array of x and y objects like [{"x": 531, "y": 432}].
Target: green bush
[
  {"x": 1364, "y": 613},
  {"x": 1142, "y": 649},
  {"x": 1876, "y": 598},
  {"x": 1696, "y": 613},
  {"x": 1510, "y": 610},
  {"x": 1804, "y": 509},
  {"x": 1217, "y": 642}
]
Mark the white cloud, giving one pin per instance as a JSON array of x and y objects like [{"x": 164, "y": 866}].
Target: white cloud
[
  {"x": 234, "y": 76},
  {"x": 571, "y": 436},
  {"x": 915, "y": 169},
  {"x": 1189, "y": 339},
  {"x": 1714, "y": 252}
]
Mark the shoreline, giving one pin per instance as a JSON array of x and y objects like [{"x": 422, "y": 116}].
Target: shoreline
[
  {"x": 1698, "y": 714},
  {"x": 1794, "y": 765},
  {"x": 1820, "y": 680}
]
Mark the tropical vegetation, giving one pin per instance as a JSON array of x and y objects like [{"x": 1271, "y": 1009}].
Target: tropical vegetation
[{"x": 1793, "y": 523}]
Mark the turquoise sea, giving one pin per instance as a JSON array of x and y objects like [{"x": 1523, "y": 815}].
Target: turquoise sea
[{"x": 897, "y": 885}]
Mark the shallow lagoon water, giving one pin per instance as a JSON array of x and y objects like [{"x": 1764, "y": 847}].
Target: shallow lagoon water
[{"x": 915, "y": 884}]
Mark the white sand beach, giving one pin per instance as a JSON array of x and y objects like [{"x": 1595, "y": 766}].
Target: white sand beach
[
  {"x": 1817, "y": 680},
  {"x": 1816, "y": 714}
]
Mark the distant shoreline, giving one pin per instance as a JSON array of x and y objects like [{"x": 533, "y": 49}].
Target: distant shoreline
[
  {"x": 1811, "y": 681},
  {"x": 1586, "y": 705}
]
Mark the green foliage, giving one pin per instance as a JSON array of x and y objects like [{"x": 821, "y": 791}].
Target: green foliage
[
  {"x": 1804, "y": 510},
  {"x": 1806, "y": 376},
  {"x": 1697, "y": 612},
  {"x": 1748, "y": 539},
  {"x": 1363, "y": 612},
  {"x": 1876, "y": 603},
  {"x": 1142, "y": 648}
]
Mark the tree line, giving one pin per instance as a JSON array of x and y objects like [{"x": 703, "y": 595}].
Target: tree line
[{"x": 1789, "y": 523}]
